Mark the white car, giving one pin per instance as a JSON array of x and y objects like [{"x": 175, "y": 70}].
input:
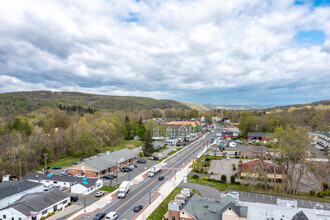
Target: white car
[
  {"x": 99, "y": 193},
  {"x": 112, "y": 216}
]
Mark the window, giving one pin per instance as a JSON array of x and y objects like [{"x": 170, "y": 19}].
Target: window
[
  {"x": 173, "y": 217},
  {"x": 55, "y": 182},
  {"x": 65, "y": 201},
  {"x": 44, "y": 212},
  {"x": 4, "y": 216},
  {"x": 19, "y": 218}
]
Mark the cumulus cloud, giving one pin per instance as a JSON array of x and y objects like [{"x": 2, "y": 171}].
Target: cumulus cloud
[{"x": 235, "y": 52}]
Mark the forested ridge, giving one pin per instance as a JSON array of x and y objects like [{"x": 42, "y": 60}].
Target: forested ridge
[{"x": 16, "y": 103}]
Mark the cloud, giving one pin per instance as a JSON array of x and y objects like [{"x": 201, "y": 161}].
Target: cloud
[{"x": 239, "y": 51}]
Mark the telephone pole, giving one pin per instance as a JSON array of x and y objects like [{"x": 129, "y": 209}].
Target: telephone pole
[{"x": 45, "y": 155}]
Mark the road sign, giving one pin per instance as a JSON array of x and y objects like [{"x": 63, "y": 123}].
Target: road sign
[{"x": 183, "y": 164}]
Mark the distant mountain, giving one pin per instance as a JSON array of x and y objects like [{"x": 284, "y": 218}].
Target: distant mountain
[
  {"x": 196, "y": 106},
  {"x": 235, "y": 107},
  {"x": 323, "y": 104},
  {"x": 24, "y": 102}
]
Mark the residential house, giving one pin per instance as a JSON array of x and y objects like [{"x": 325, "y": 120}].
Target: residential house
[
  {"x": 196, "y": 207},
  {"x": 253, "y": 168},
  {"x": 77, "y": 185},
  {"x": 36, "y": 205},
  {"x": 261, "y": 136},
  {"x": 226, "y": 135},
  {"x": 322, "y": 138},
  {"x": 249, "y": 151},
  {"x": 195, "y": 126},
  {"x": 104, "y": 164},
  {"x": 13, "y": 190},
  {"x": 183, "y": 131}
]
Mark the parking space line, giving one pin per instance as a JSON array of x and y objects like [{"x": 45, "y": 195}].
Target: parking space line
[
  {"x": 249, "y": 195},
  {"x": 326, "y": 205},
  {"x": 256, "y": 195},
  {"x": 302, "y": 202},
  {"x": 263, "y": 196},
  {"x": 311, "y": 203},
  {"x": 271, "y": 198}
]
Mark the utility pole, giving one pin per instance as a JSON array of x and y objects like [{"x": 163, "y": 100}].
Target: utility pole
[
  {"x": 20, "y": 169},
  {"x": 85, "y": 204},
  {"x": 45, "y": 155},
  {"x": 149, "y": 197},
  {"x": 116, "y": 175}
]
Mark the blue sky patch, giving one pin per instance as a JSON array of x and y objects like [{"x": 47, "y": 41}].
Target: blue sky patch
[
  {"x": 315, "y": 3},
  {"x": 310, "y": 38},
  {"x": 132, "y": 17}
]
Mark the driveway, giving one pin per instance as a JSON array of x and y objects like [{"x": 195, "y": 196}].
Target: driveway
[{"x": 205, "y": 191}]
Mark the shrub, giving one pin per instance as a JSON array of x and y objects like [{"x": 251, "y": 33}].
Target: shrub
[
  {"x": 141, "y": 154},
  {"x": 53, "y": 213},
  {"x": 325, "y": 186},
  {"x": 195, "y": 176},
  {"x": 69, "y": 203},
  {"x": 259, "y": 185},
  {"x": 232, "y": 179},
  {"x": 43, "y": 218},
  {"x": 203, "y": 178},
  {"x": 238, "y": 183},
  {"x": 246, "y": 184},
  {"x": 223, "y": 178},
  {"x": 49, "y": 214},
  {"x": 312, "y": 192},
  {"x": 279, "y": 188},
  {"x": 212, "y": 172},
  {"x": 327, "y": 192},
  {"x": 320, "y": 194},
  {"x": 234, "y": 166}
]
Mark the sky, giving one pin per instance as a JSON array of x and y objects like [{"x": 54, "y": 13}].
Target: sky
[{"x": 243, "y": 52}]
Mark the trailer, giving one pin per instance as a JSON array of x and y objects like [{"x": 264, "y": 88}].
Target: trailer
[{"x": 154, "y": 170}]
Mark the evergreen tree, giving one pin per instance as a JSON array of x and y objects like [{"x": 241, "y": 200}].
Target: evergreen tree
[
  {"x": 140, "y": 121},
  {"x": 126, "y": 119},
  {"x": 148, "y": 148}
]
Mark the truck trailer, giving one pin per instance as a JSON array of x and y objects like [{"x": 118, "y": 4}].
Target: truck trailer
[
  {"x": 123, "y": 189},
  {"x": 154, "y": 169}
]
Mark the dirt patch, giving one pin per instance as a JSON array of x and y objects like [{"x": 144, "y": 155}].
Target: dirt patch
[{"x": 130, "y": 146}]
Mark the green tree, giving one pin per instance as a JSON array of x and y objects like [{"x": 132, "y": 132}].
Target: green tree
[
  {"x": 148, "y": 148},
  {"x": 141, "y": 132},
  {"x": 208, "y": 118}
]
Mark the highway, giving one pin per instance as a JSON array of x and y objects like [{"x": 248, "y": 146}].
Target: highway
[{"x": 143, "y": 192}]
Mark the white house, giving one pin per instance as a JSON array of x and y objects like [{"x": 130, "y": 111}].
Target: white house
[
  {"x": 78, "y": 185},
  {"x": 232, "y": 144},
  {"x": 13, "y": 190},
  {"x": 36, "y": 205}
]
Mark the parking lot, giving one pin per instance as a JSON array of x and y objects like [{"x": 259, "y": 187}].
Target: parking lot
[{"x": 262, "y": 198}]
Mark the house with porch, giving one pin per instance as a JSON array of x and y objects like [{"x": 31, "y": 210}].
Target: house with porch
[{"x": 261, "y": 136}]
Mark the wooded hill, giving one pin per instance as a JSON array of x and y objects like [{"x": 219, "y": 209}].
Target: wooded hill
[
  {"x": 322, "y": 104},
  {"x": 16, "y": 103}
]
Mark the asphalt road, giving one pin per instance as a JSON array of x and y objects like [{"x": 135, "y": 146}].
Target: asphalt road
[{"x": 140, "y": 194}]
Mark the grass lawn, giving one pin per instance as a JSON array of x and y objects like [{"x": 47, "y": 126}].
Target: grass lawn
[
  {"x": 125, "y": 144},
  {"x": 64, "y": 162},
  {"x": 108, "y": 188},
  {"x": 226, "y": 186}
]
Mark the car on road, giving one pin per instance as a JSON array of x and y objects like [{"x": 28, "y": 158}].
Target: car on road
[
  {"x": 137, "y": 208},
  {"x": 57, "y": 168},
  {"x": 99, "y": 216},
  {"x": 110, "y": 176},
  {"x": 161, "y": 178},
  {"x": 99, "y": 193},
  {"x": 141, "y": 160},
  {"x": 74, "y": 198},
  {"x": 80, "y": 175},
  {"x": 112, "y": 216}
]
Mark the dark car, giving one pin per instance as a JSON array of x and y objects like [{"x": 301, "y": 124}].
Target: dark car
[
  {"x": 161, "y": 178},
  {"x": 141, "y": 160},
  {"x": 125, "y": 169},
  {"x": 135, "y": 165},
  {"x": 99, "y": 216},
  {"x": 74, "y": 198},
  {"x": 137, "y": 208},
  {"x": 57, "y": 168},
  {"x": 110, "y": 176}
]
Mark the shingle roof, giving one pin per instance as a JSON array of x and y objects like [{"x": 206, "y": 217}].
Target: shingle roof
[
  {"x": 300, "y": 216},
  {"x": 259, "y": 134},
  {"x": 227, "y": 133},
  {"x": 13, "y": 187},
  {"x": 176, "y": 127},
  {"x": 202, "y": 209},
  {"x": 109, "y": 160},
  {"x": 70, "y": 179},
  {"x": 254, "y": 164},
  {"x": 40, "y": 202}
]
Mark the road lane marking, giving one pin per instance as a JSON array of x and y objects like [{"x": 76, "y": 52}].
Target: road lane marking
[
  {"x": 326, "y": 205},
  {"x": 311, "y": 203},
  {"x": 256, "y": 195},
  {"x": 197, "y": 148},
  {"x": 302, "y": 202}
]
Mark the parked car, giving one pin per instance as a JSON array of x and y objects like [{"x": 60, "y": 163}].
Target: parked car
[
  {"x": 55, "y": 187},
  {"x": 57, "y": 168},
  {"x": 125, "y": 169},
  {"x": 137, "y": 208},
  {"x": 112, "y": 216},
  {"x": 99, "y": 216},
  {"x": 110, "y": 176},
  {"x": 46, "y": 188},
  {"x": 161, "y": 178},
  {"x": 134, "y": 165},
  {"x": 129, "y": 167},
  {"x": 99, "y": 193},
  {"x": 62, "y": 188},
  {"x": 75, "y": 163},
  {"x": 73, "y": 198},
  {"x": 153, "y": 158},
  {"x": 80, "y": 175},
  {"x": 141, "y": 160}
]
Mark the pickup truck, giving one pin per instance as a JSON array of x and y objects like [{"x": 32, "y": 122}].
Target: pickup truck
[{"x": 123, "y": 189}]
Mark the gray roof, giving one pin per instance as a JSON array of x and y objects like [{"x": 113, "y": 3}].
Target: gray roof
[
  {"x": 13, "y": 187},
  {"x": 227, "y": 133},
  {"x": 157, "y": 145},
  {"x": 109, "y": 160},
  {"x": 202, "y": 209},
  {"x": 88, "y": 182},
  {"x": 177, "y": 127},
  {"x": 300, "y": 216},
  {"x": 260, "y": 134},
  {"x": 241, "y": 211},
  {"x": 40, "y": 202}
]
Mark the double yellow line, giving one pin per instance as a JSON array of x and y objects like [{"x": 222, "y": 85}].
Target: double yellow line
[{"x": 155, "y": 179}]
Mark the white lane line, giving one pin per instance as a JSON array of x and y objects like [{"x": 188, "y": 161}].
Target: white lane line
[
  {"x": 310, "y": 203},
  {"x": 271, "y": 198}
]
